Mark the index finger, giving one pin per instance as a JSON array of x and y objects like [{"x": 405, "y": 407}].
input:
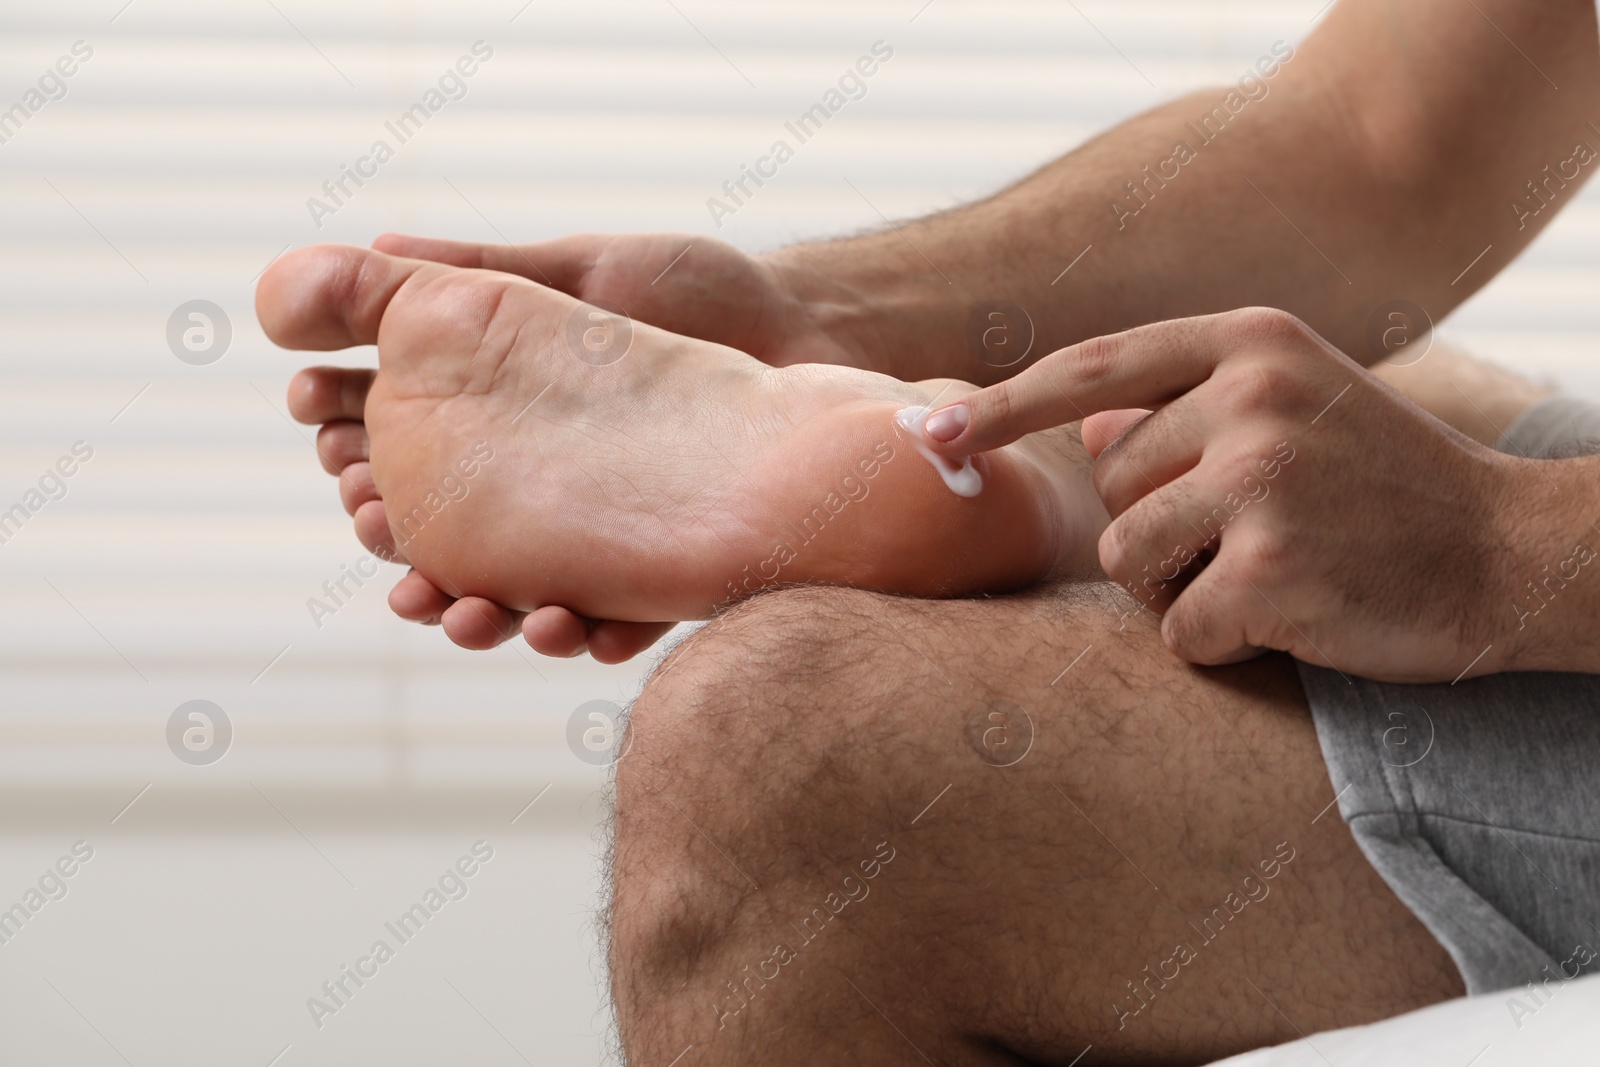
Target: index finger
[{"x": 1144, "y": 367}]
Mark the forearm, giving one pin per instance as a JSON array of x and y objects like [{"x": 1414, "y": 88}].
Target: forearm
[
  {"x": 1551, "y": 610},
  {"x": 1376, "y": 163}
]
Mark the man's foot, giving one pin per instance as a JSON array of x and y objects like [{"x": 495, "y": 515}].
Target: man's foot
[{"x": 522, "y": 456}]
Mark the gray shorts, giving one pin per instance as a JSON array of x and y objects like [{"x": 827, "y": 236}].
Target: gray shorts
[{"x": 1479, "y": 802}]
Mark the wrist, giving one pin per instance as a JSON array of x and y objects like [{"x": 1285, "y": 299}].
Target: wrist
[{"x": 885, "y": 308}]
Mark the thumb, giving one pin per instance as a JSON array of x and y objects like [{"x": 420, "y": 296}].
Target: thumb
[
  {"x": 1102, "y": 429},
  {"x": 562, "y": 263}
]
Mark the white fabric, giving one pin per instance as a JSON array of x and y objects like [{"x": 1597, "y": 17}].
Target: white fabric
[{"x": 1487, "y": 1031}]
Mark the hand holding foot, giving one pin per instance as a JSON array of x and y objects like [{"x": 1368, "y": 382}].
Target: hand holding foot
[{"x": 689, "y": 284}]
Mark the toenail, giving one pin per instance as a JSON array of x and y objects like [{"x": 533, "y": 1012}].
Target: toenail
[{"x": 946, "y": 424}]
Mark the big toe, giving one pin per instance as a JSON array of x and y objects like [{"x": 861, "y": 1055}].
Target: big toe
[{"x": 330, "y": 296}]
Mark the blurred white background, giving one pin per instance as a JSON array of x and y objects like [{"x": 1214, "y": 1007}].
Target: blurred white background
[{"x": 368, "y": 755}]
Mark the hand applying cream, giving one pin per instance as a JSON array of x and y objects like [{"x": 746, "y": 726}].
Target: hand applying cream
[{"x": 962, "y": 478}]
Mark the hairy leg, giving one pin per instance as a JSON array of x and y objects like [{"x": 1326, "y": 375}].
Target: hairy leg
[
  {"x": 829, "y": 850},
  {"x": 1479, "y": 399}
]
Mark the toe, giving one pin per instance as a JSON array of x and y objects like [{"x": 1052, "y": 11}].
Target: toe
[
  {"x": 618, "y": 642},
  {"x": 562, "y": 634},
  {"x": 555, "y": 632},
  {"x": 356, "y": 488},
  {"x": 341, "y": 444},
  {"x": 328, "y": 394},
  {"x": 372, "y": 530},
  {"x": 418, "y": 600},
  {"x": 479, "y": 624},
  {"x": 330, "y": 296}
]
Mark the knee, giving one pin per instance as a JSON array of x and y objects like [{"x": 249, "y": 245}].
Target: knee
[
  {"x": 749, "y": 696},
  {"x": 725, "y": 746},
  {"x": 800, "y": 738}
]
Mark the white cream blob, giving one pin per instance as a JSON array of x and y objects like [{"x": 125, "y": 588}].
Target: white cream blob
[{"x": 962, "y": 478}]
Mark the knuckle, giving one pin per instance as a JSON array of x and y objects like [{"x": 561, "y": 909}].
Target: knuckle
[
  {"x": 999, "y": 406},
  {"x": 1259, "y": 385},
  {"x": 1268, "y": 324},
  {"x": 1094, "y": 361},
  {"x": 1241, "y": 471},
  {"x": 1262, "y": 557}
]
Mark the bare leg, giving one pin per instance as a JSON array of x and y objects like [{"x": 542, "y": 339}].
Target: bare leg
[
  {"x": 819, "y": 859},
  {"x": 1477, "y": 398}
]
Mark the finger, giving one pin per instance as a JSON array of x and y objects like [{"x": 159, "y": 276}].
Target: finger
[
  {"x": 327, "y": 394},
  {"x": 561, "y": 263},
  {"x": 330, "y": 296},
  {"x": 1102, "y": 429},
  {"x": 1220, "y": 618},
  {"x": 945, "y": 390},
  {"x": 1155, "y": 452},
  {"x": 418, "y": 600},
  {"x": 618, "y": 642},
  {"x": 479, "y": 624},
  {"x": 340, "y": 444},
  {"x": 356, "y": 488},
  {"x": 1144, "y": 367},
  {"x": 372, "y": 530},
  {"x": 1155, "y": 548}
]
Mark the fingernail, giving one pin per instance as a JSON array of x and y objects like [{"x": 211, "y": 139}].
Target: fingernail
[{"x": 946, "y": 424}]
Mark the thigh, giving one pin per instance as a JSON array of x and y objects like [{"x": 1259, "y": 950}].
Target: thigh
[{"x": 1093, "y": 844}]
